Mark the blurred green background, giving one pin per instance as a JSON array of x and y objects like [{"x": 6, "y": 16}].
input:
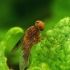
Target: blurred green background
[{"x": 23, "y": 13}]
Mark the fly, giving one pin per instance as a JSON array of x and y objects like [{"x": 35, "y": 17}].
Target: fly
[{"x": 31, "y": 37}]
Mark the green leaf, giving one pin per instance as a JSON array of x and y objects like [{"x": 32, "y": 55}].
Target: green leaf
[{"x": 3, "y": 44}]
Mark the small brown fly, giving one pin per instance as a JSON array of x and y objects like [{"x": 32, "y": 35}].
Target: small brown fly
[{"x": 31, "y": 37}]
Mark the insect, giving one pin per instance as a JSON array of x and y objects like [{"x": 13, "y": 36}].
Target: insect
[{"x": 31, "y": 37}]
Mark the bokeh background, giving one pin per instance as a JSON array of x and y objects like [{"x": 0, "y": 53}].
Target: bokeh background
[{"x": 24, "y": 13}]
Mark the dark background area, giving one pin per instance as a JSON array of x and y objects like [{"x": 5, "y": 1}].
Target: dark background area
[{"x": 24, "y": 13}]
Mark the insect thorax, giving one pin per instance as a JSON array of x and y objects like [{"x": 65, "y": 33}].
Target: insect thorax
[{"x": 32, "y": 35}]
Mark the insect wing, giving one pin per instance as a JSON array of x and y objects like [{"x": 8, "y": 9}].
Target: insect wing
[
  {"x": 24, "y": 64},
  {"x": 19, "y": 43}
]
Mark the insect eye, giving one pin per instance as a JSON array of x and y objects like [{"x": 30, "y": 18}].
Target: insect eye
[{"x": 39, "y": 24}]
